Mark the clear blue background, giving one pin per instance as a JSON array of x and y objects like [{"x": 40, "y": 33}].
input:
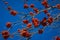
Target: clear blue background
[{"x": 5, "y": 16}]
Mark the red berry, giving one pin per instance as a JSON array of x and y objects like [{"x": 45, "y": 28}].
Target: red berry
[
  {"x": 40, "y": 31},
  {"x": 28, "y": 34},
  {"x": 44, "y": 3},
  {"x": 45, "y": 11},
  {"x": 9, "y": 8},
  {"x": 31, "y": 13},
  {"x": 25, "y": 33},
  {"x": 25, "y": 21},
  {"x": 50, "y": 20},
  {"x": 36, "y": 24},
  {"x": 5, "y": 34},
  {"x": 58, "y": 6},
  {"x": 47, "y": 6},
  {"x": 19, "y": 30},
  {"x": 48, "y": 14},
  {"x": 25, "y": 5},
  {"x": 44, "y": 22},
  {"x": 8, "y": 24},
  {"x": 13, "y": 12},
  {"x": 32, "y": 5},
  {"x": 35, "y": 21},
  {"x": 29, "y": 25},
  {"x": 36, "y": 10}
]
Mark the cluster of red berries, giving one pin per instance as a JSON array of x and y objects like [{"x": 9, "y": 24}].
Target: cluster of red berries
[{"x": 35, "y": 21}]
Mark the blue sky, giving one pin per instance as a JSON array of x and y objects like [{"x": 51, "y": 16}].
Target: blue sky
[{"x": 5, "y": 16}]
